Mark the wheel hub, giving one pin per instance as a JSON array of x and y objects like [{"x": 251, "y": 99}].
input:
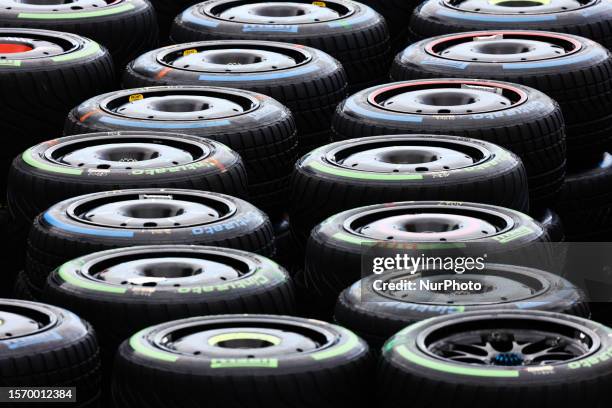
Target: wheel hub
[
  {"x": 447, "y": 101},
  {"x": 14, "y": 325},
  {"x": 174, "y": 271},
  {"x": 498, "y": 49},
  {"x": 127, "y": 156},
  {"x": 428, "y": 227},
  {"x": 179, "y": 107},
  {"x": 235, "y": 60},
  {"x": 25, "y": 48},
  {"x": 279, "y": 13},
  {"x": 152, "y": 213},
  {"x": 519, "y": 6},
  {"x": 407, "y": 159}
]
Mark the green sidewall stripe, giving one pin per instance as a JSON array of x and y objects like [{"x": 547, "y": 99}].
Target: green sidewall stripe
[
  {"x": 85, "y": 52},
  {"x": 76, "y": 15},
  {"x": 360, "y": 174},
  {"x": 452, "y": 369},
  {"x": 28, "y": 157},
  {"x": 73, "y": 280},
  {"x": 140, "y": 348}
]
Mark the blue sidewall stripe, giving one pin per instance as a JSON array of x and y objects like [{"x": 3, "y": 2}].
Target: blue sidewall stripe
[
  {"x": 157, "y": 125},
  {"x": 379, "y": 115},
  {"x": 86, "y": 231},
  {"x": 259, "y": 77},
  {"x": 495, "y": 19}
]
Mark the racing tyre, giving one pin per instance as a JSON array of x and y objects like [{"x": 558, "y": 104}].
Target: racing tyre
[
  {"x": 574, "y": 71},
  {"x": 44, "y": 74},
  {"x": 242, "y": 360},
  {"x": 552, "y": 223},
  {"x": 22, "y": 289},
  {"x": 45, "y": 346},
  {"x": 518, "y": 118},
  {"x": 14, "y": 239},
  {"x": 122, "y": 291},
  {"x": 585, "y": 202},
  {"x": 126, "y": 27},
  {"x": 351, "y": 32},
  {"x": 308, "y": 81},
  {"x": 113, "y": 219},
  {"x": 396, "y": 14},
  {"x": 259, "y": 128},
  {"x": 382, "y": 169},
  {"x": 83, "y": 164},
  {"x": 376, "y": 310},
  {"x": 497, "y": 358},
  {"x": 586, "y": 18},
  {"x": 422, "y": 228}
]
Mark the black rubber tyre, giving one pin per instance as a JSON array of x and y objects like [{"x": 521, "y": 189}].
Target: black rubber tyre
[
  {"x": 579, "y": 80},
  {"x": 396, "y": 14},
  {"x": 409, "y": 362},
  {"x": 307, "y": 81},
  {"x": 336, "y": 246},
  {"x": 376, "y": 315},
  {"x": 126, "y": 27},
  {"x": 246, "y": 360},
  {"x": 82, "y": 164},
  {"x": 384, "y": 169},
  {"x": 259, "y": 128},
  {"x": 585, "y": 202},
  {"x": 289, "y": 252},
  {"x": 14, "y": 251},
  {"x": 552, "y": 223},
  {"x": 39, "y": 89},
  {"x": 22, "y": 289},
  {"x": 48, "y": 347},
  {"x": 590, "y": 18},
  {"x": 143, "y": 286},
  {"x": 64, "y": 232},
  {"x": 351, "y": 32},
  {"x": 531, "y": 126}
]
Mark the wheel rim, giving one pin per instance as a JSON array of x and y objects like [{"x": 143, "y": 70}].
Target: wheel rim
[
  {"x": 279, "y": 13},
  {"x": 56, "y": 5},
  {"x": 127, "y": 152},
  {"x": 244, "y": 339},
  {"x": 17, "y": 321},
  {"x": 151, "y": 211},
  {"x": 498, "y": 286},
  {"x": 446, "y": 97},
  {"x": 509, "y": 341},
  {"x": 496, "y": 47},
  {"x": 407, "y": 156},
  {"x": 180, "y": 105},
  {"x": 518, "y": 7},
  {"x": 234, "y": 57},
  {"x": 24, "y": 46},
  {"x": 427, "y": 224}
]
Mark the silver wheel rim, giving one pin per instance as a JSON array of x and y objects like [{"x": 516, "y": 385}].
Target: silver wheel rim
[
  {"x": 179, "y": 107},
  {"x": 235, "y": 60},
  {"x": 279, "y": 13},
  {"x": 55, "y": 5}
]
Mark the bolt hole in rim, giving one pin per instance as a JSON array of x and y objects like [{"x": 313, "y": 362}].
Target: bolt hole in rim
[
  {"x": 518, "y": 7},
  {"x": 408, "y": 156},
  {"x": 457, "y": 97},
  {"x": 244, "y": 338},
  {"x": 499, "y": 285},
  {"x": 126, "y": 153},
  {"x": 508, "y": 340},
  {"x": 503, "y": 46},
  {"x": 179, "y": 104},
  {"x": 56, "y": 5},
  {"x": 283, "y": 13},
  {"x": 427, "y": 224},
  {"x": 234, "y": 56},
  {"x": 167, "y": 268},
  {"x": 150, "y": 211},
  {"x": 18, "y": 321}
]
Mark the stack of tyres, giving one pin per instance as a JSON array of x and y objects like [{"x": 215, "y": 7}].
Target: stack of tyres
[
  {"x": 351, "y": 32},
  {"x": 257, "y": 127},
  {"x": 136, "y": 217},
  {"x": 43, "y": 75},
  {"x": 307, "y": 81},
  {"x": 518, "y": 118},
  {"x": 127, "y": 28}
]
